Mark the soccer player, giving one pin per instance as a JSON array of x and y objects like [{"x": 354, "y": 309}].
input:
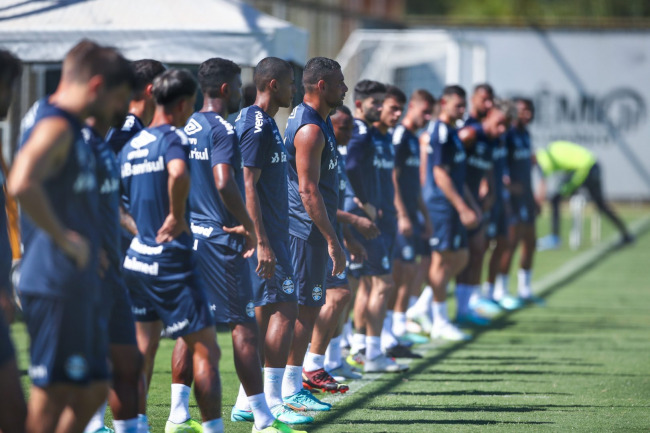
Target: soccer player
[
  {"x": 159, "y": 267},
  {"x": 479, "y": 139},
  {"x": 115, "y": 306},
  {"x": 267, "y": 201},
  {"x": 411, "y": 233},
  {"x": 376, "y": 280},
  {"x": 580, "y": 169},
  {"x": 450, "y": 207},
  {"x": 313, "y": 199},
  {"x": 12, "y": 410},
  {"x": 53, "y": 177},
  {"x": 522, "y": 204}
]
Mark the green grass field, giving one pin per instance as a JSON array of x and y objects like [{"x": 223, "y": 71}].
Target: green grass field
[{"x": 580, "y": 363}]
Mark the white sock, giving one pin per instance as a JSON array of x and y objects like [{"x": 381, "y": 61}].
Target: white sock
[
  {"x": 488, "y": 290},
  {"x": 273, "y": 385},
  {"x": 292, "y": 380},
  {"x": 143, "y": 423},
  {"x": 126, "y": 425},
  {"x": 313, "y": 362},
  {"x": 97, "y": 421},
  {"x": 422, "y": 304},
  {"x": 412, "y": 301},
  {"x": 475, "y": 293},
  {"x": 261, "y": 412},
  {"x": 373, "y": 347},
  {"x": 399, "y": 323},
  {"x": 180, "y": 409},
  {"x": 523, "y": 283},
  {"x": 440, "y": 315},
  {"x": 333, "y": 354},
  {"x": 358, "y": 342},
  {"x": 242, "y": 399},
  {"x": 463, "y": 292},
  {"x": 347, "y": 334},
  {"x": 213, "y": 426},
  {"x": 501, "y": 287},
  {"x": 388, "y": 340}
]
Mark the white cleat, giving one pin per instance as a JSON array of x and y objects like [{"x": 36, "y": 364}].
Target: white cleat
[
  {"x": 448, "y": 331},
  {"x": 383, "y": 364},
  {"x": 344, "y": 372}
]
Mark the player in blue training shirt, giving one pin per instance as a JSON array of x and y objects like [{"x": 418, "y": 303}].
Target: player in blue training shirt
[
  {"x": 411, "y": 233},
  {"x": 159, "y": 267},
  {"x": 53, "y": 177},
  {"x": 525, "y": 208},
  {"x": 451, "y": 207},
  {"x": 265, "y": 176},
  {"x": 115, "y": 307},
  {"x": 12, "y": 410},
  {"x": 392, "y": 108},
  {"x": 313, "y": 199}
]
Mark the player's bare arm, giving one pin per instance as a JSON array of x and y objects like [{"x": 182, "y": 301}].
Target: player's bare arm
[
  {"x": 404, "y": 223},
  {"x": 467, "y": 216},
  {"x": 178, "y": 188},
  {"x": 42, "y": 156},
  {"x": 363, "y": 225},
  {"x": 265, "y": 256}
]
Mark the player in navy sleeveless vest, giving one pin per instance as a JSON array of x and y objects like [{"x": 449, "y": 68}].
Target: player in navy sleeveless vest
[
  {"x": 265, "y": 175},
  {"x": 53, "y": 177},
  {"x": 159, "y": 267},
  {"x": 411, "y": 234},
  {"x": 523, "y": 204},
  {"x": 450, "y": 207},
  {"x": 313, "y": 199},
  {"x": 479, "y": 141},
  {"x": 13, "y": 410},
  {"x": 114, "y": 310}
]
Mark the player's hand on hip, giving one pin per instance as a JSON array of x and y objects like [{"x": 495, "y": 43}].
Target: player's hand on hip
[
  {"x": 367, "y": 228},
  {"x": 404, "y": 225},
  {"x": 338, "y": 257},
  {"x": 171, "y": 229},
  {"x": 469, "y": 218},
  {"x": 266, "y": 260},
  {"x": 250, "y": 239},
  {"x": 77, "y": 248}
]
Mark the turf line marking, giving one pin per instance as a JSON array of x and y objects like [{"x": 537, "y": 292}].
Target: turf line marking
[{"x": 545, "y": 287}]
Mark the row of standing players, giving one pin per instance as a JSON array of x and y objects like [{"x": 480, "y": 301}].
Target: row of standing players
[{"x": 246, "y": 182}]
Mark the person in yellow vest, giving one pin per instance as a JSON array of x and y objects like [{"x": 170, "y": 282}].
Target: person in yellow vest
[{"x": 581, "y": 170}]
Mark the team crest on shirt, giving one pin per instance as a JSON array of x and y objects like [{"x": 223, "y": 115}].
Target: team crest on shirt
[
  {"x": 317, "y": 293},
  {"x": 407, "y": 252},
  {"x": 287, "y": 286},
  {"x": 385, "y": 263},
  {"x": 76, "y": 367},
  {"x": 250, "y": 309}
]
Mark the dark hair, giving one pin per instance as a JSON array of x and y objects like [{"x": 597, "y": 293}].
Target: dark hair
[
  {"x": 215, "y": 72},
  {"x": 87, "y": 59},
  {"x": 342, "y": 109},
  {"x": 316, "y": 69},
  {"x": 145, "y": 71},
  {"x": 269, "y": 68},
  {"x": 10, "y": 67},
  {"x": 423, "y": 95},
  {"x": 367, "y": 88},
  {"x": 527, "y": 102},
  {"x": 395, "y": 93},
  {"x": 484, "y": 86},
  {"x": 454, "y": 90},
  {"x": 172, "y": 85}
]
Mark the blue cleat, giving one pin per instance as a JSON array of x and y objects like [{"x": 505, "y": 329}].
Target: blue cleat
[
  {"x": 284, "y": 413},
  {"x": 241, "y": 415},
  {"x": 305, "y": 401},
  {"x": 412, "y": 338},
  {"x": 485, "y": 307},
  {"x": 471, "y": 319},
  {"x": 511, "y": 303}
]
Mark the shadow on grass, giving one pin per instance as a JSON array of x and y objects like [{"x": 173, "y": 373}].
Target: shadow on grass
[
  {"x": 473, "y": 393},
  {"x": 432, "y": 421}
]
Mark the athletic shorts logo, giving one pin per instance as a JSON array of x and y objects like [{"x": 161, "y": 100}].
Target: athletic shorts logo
[
  {"x": 491, "y": 229},
  {"x": 407, "y": 252},
  {"x": 434, "y": 241},
  {"x": 523, "y": 213},
  {"x": 456, "y": 241},
  {"x": 287, "y": 286},
  {"x": 341, "y": 276},
  {"x": 385, "y": 263},
  {"x": 76, "y": 367},
  {"x": 317, "y": 293},
  {"x": 250, "y": 309}
]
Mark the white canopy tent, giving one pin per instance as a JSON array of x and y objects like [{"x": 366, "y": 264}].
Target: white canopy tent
[{"x": 172, "y": 31}]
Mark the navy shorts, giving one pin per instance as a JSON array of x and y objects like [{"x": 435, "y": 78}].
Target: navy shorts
[
  {"x": 497, "y": 224},
  {"x": 227, "y": 279},
  {"x": 167, "y": 289},
  {"x": 378, "y": 261},
  {"x": 334, "y": 281},
  {"x": 279, "y": 288},
  {"x": 523, "y": 209},
  {"x": 69, "y": 342},
  {"x": 121, "y": 325},
  {"x": 7, "y": 351},
  {"x": 310, "y": 270},
  {"x": 449, "y": 234},
  {"x": 408, "y": 248},
  {"x": 388, "y": 227}
]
